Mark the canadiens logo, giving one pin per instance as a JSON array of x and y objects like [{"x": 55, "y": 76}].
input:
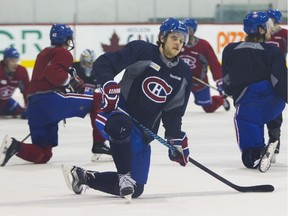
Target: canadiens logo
[
  {"x": 6, "y": 92},
  {"x": 156, "y": 89},
  {"x": 190, "y": 60}
]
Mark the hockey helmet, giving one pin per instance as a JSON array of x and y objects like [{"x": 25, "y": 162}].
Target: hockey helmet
[
  {"x": 275, "y": 14},
  {"x": 60, "y": 33},
  {"x": 174, "y": 25},
  {"x": 192, "y": 23},
  {"x": 253, "y": 20},
  {"x": 87, "y": 57},
  {"x": 11, "y": 52}
]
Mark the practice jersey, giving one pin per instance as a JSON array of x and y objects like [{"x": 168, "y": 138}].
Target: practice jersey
[
  {"x": 279, "y": 39},
  {"x": 199, "y": 56},
  {"x": 152, "y": 88},
  {"x": 50, "y": 70},
  {"x": 90, "y": 81},
  {"x": 8, "y": 84},
  {"x": 244, "y": 63}
]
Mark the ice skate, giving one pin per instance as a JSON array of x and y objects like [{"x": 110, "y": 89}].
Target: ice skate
[
  {"x": 126, "y": 185},
  {"x": 75, "y": 178},
  {"x": 267, "y": 156},
  {"x": 9, "y": 147},
  {"x": 101, "y": 152}
]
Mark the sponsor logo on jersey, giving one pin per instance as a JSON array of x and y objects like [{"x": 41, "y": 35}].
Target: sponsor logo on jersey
[
  {"x": 156, "y": 89},
  {"x": 155, "y": 66},
  {"x": 175, "y": 77}
]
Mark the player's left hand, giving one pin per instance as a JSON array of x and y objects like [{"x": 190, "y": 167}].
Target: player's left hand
[
  {"x": 77, "y": 85},
  {"x": 182, "y": 155}
]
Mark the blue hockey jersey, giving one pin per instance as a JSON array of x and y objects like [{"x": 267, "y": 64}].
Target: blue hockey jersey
[
  {"x": 153, "y": 88},
  {"x": 244, "y": 63}
]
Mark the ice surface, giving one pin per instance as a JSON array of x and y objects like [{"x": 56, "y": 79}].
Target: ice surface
[{"x": 40, "y": 190}]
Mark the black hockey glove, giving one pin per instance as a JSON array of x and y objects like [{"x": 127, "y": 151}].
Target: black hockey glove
[{"x": 76, "y": 84}]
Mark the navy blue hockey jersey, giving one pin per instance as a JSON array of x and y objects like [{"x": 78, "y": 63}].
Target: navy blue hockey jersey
[
  {"x": 244, "y": 63},
  {"x": 153, "y": 88}
]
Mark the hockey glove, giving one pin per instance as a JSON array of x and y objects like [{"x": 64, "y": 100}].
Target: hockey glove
[
  {"x": 181, "y": 156},
  {"x": 76, "y": 84},
  {"x": 219, "y": 84},
  {"x": 108, "y": 95}
]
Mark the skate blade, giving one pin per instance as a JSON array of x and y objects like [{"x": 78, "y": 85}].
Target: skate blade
[
  {"x": 266, "y": 160},
  {"x": 6, "y": 143},
  {"x": 101, "y": 157},
  {"x": 128, "y": 199},
  {"x": 66, "y": 170}
]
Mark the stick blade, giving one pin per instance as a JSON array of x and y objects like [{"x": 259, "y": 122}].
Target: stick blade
[{"x": 256, "y": 188}]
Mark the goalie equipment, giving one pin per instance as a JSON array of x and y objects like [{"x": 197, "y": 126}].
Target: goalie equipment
[{"x": 9, "y": 147}]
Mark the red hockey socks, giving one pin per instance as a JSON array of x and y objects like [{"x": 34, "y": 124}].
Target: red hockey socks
[
  {"x": 217, "y": 101},
  {"x": 34, "y": 153}
]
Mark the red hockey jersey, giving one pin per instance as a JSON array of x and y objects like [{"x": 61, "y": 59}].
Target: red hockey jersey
[
  {"x": 279, "y": 39},
  {"x": 199, "y": 56},
  {"x": 8, "y": 85},
  {"x": 50, "y": 70}
]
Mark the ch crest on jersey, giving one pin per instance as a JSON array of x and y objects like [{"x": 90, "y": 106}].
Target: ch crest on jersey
[
  {"x": 6, "y": 92},
  {"x": 156, "y": 89},
  {"x": 190, "y": 60}
]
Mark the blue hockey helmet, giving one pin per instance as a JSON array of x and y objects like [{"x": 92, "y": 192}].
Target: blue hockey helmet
[
  {"x": 192, "y": 23},
  {"x": 174, "y": 25},
  {"x": 275, "y": 14},
  {"x": 253, "y": 20},
  {"x": 11, "y": 52},
  {"x": 59, "y": 34}
]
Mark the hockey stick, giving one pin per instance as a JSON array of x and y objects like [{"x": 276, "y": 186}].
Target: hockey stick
[
  {"x": 208, "y": 85},
  {"x": 256, "y": 188},
  {"x": 26, "y": 137}
]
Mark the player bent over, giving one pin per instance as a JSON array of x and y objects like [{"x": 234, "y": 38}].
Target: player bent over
[
  {"x": 255, "y": 74},
  {"x": 49, "y": 102},
  {"x": 156, "y": 86},
  {"x": 12, "y": 76}
]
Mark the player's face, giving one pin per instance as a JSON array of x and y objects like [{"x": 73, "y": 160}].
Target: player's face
[
  {"x": 12, "y": 64},
  {"x": 173, "y": 45}
]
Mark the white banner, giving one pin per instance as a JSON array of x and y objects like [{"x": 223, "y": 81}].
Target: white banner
[{"x": 30, "y": 39}]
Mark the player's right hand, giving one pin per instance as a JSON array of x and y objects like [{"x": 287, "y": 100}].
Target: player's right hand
[{"x": 111, "y": 93}]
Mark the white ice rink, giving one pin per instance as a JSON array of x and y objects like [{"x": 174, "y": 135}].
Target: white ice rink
[{"x": 39, "y": 190}]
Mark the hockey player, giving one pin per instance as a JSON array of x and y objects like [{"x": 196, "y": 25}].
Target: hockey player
[
  {"x": 100, "y": 151},
  {"x": 12, "y": 76},
  {"x": 279, "y": 38},
  {"x": 199, "y": 54},
  {"x": 155, "y": 86},
  {"x": 48, "y": 102},
  {"x": 255, "y": 74}
]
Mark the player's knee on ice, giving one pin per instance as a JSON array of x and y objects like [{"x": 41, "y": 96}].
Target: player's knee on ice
[
  {"x": 119, "y": 128},
  {"x": 250, "y": 156}
]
